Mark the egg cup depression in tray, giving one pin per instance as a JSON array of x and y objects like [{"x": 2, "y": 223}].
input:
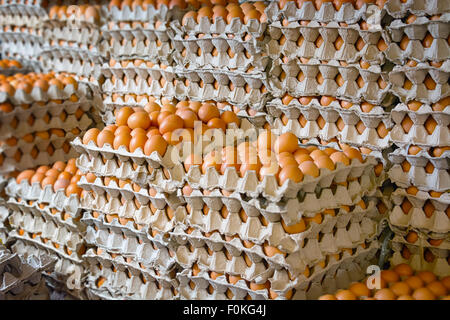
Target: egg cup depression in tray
[
  {"x": 399, "y": 8},
  {"x": 60, "y": 62},
  {"x": 20, "y": 6},
  {"x": 423, "y": 39},
  {"x": 427, "y": 126},
  {"x": 136, "y": 43},
  {"x": 20, "y": 18},
  {"x": 324, "y": 12},
  {"x": 427, "y": 215},
  {"x": 332, "y": 41},
  {"x": 421, "y": 239},
  {"x": 24, "y": 276},
  {"x": 421, "y": 258},
  {"x": 16, "y": 43},
  {"x": 165, "y": 12},
  {"x": 335, "y": 275},
  {"x": 420, "y": 170}
]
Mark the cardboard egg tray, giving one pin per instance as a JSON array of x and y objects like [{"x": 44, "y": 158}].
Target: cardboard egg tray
[
  {"x": 11, "y": 71},
  {"x": 4, "y": 213},
  {"x": 439, "y": 265},
  {"x": 67, "y": 273},
  {"x": 370, "y": 92},
  {"x": 438, "y": 180},
  {"x": 21, "y": 46},
  {"x": 334, "y": 275},
  {"x": 72, "y": 64},
  {"x": 327, "y": 13},
  {"x": 399, "y": 9},
  {"x": 19, "y": 19},
  {"x": 418, "y": 134},
  {"x": 53, "y": 93},
  {"x": 21, "y": 279},
  {"x": 124, "y": 283},
  {"x": 349, "y": 134},
  {"x": 151, "y": 14},
  {"x": 191, "y": 54},
  {"x": 401, "y": 235},
  {"x": 329, "y": 32},
  {"x": 419, "y": 91},
  {"x": 117, "y": 239},
  {"x": 23, "y": 6}
]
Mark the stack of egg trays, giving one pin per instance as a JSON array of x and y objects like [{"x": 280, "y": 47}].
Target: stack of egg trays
[
  {"x": 20, "y": 32},
  {"x": 21, "y": 277},
  {"x": 71, "y": 44},
  {"x": 358, "y": 62},
  {"x": 188, "y": 228},
  {"x": 47, "y": 222},
  {"x": 240, "y": 80},
  {"x": 128, "y": 258},
  {"x": 139, "y": 53},
  {"x": 51, "y": 109},
  {"x": 422, "y": 178}
]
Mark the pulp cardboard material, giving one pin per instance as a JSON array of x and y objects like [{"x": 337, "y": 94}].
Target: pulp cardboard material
[
  {"x": 151, "y": 14},
  {"x": 300, "y": 41},
  {"x": 327, "y": 13},
  {"x": 439, "y": 180},
  {"x": 400, "y": 9}
]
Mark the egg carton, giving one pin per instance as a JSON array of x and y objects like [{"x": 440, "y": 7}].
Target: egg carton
[
  {"x": 24, "y": 7},
  {"x": 120, "y": 286},
  {"x": 335, "y": 275},
  {"x": 21, "y": 278},
  {"x": 139, "y": 73},
  {"x": 27, "y": 48},
  {"x": 187, "y": 55},
  {"x": 19, "y": 19},
  {"x": 71, "y": 31},
  {"x": 76, "y": 50},
  {"x": 313, "y": 251},
  {"x": 421, "y": 159},
  {"x": 67, "y": 273},
  {"x": 46, "y": 195},
  {"x": 151, "y": 14},
  {"x": 53, "y": 93},
  {"x": 349, "y": 133},
  {"x": 65, "y": 241},
  {"x": 144, "y": 252},
  {"x": 416, "y": 176},
  {"x": 424, "y": 237},
  {"x": 420, "y": 198},
  {"x": 33, "y": 40},
  {"x": 370, "y": 92},
  {"x": 327, "y": 13},
  {"x": 329, "y": 32},
  {"x": 399, "y": 9},
  {"x": 438, "y": 266},
  {"x": 13, "y": 70}
]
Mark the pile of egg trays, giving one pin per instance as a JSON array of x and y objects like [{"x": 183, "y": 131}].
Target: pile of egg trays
[
  {"x": 420, "y": 217},
  {"x": 72, "y": 41},
  {"x": 139, "y": 54},
  {"x": 21, "y": 276},
  {"x": 43, "y": 221},
  {"x": 20, "y": 33},
  {"x": 47, "y": 110}
]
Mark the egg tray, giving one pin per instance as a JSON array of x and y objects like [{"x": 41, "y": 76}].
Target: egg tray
[
  {"x": 79, "y": 51},
  {"x": 27, "y": 291},
  {"x": 119, "y": 287},
  {"x": 418, "y": 200},
  {"x": 21, "y": 278},
  {"x": 13, "y": 37},
  {"x": 329, "y": 33},
  {"x": 32, "y": 62},
  {"x": 140, "y": 74},
  {"x": 66, "y": 272},
  {"x": 77, "y": 65},
  {"x": 33, "y": 208},
  {"x": 112, "y": 240},
  {"x": 22, "y": 6},
  {"x": 424, "y": 236},
  {"x": 151, "y": 14},
  {"x": 13, "y": 70},
  {"x": 400, "y": 9},
  {"x": 127, "y": 49},
  {"x": 349, "y": 134},
  {"x": 421, "y": 159},
  {"x": 53, "y": 93},
  {"x": 46, "y": 229},
  {"x": 73, "y": 31},
  {"x": 370, "y": 92},
  {"x": 28, "y": 50},
  {"x": 295, "y": 261},
  {"x": 310, "y": 202},
  {"x": 439, "y": 266},
  {"x": 350, "y": 268},
  {"x": 240, "y": 61},
  {"x": 19, "y": 19},
  {"x": 327, "y": 13},
  {"x": 46, "y": 195},
  {"x": 439, "y": 180}
]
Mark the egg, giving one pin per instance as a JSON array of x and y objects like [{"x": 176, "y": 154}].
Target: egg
[
  {"x": 37, "y": 177},
  {"x": 384, "y": 294},
  {"x": 122, "y": 139},
  {"x": 105, "y": 137},
  {"x": 287, "y": 142},
  {"x": 48, "y": 181},
  {"x": 403, "y": 270},
  {"x": 230, "y": 117},
  {"x": 61, "y": 184},
  {"x": 91, "y": 135},
  {"x": 73, "y": 189},
  {"x": 155, "y": 143},
  {"x": 400, "y": 289},
  {"x": 423, "y": 294},
  {"x": 235, "y": 12},
  {"x": 217, "y": 123},
  {"x": 137, "y": 141},
  {"x": 437, "y": 288},
  {"x": 208, "y": 111},
  {"x": 139, "y": 120},
  {"x": 359, "y": 290},
  {"x": 414, "y": 282},
  {"x": 286, "y": 159},
  {"x": 328, "y": 297},
  {"x": 294, "y": 228},
  {"x": 290, "y": 172},
  {"x": 205, "y": 11},
  {"x": 345, "y": 295},
  {"x": 427, "y": 276},
  {"x": 309, "y": 168},
  {"x": 324, "y": 162}
]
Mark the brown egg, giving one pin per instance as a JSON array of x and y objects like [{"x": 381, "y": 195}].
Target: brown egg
[
  {"x": 105, "y": 137},
  {"x": 340, "y": 157},
  {"x": 205, "y": 11},
  {"x": 73, "y": 189},
  {"x": 295, "y": 228},
  {"x": 437, "y": 288},
  {"x": 353, "y": 153},
  {"x": 414, "y": 282},
  {"x": 122, "y": 139},
  {"x": 290, "y": 172},
  {"x": 359, "y": 290},
  {"x": 235, "y": 12},
  {"x": 61, "y": 184},
  {"x": 155, "y": 143},
  {"x": 137, "y": 141},
  {"x": 309, "y": 168},
  {"x": 171, "y": 123},
  {"x": 427, "y": 276},
  {"x": 403, "y": 270},
  {"x": 384, "y": 294},
  {"x": 423, "y": 294},
  {"x": 122, "y": 116},
  {"x": 324, "y": 162},
  {"x": 287, "y": 142},
  {"x": 230, "y": 117},
  {"x": 188, "y": 116},
  {"x": 345, "y": 295},
  {"x": 207, "y": 112},
  {"x": 328, "y": 297},
  {"x": 139, "y": 120},
  {"x": 91, "y": 135}
]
